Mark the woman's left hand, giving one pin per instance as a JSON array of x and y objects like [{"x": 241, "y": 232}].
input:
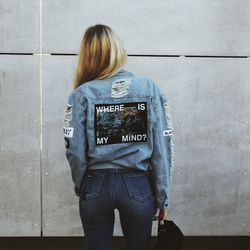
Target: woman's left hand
[{"x": 161, "y": 214}]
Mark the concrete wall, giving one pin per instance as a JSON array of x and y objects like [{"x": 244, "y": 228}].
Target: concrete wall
[{"x": 209, "y": 96}]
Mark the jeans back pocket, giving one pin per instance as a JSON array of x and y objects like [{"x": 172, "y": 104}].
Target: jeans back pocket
[
  {"x": 138, "y": 186},
  {"x": 92, "y": 186}
]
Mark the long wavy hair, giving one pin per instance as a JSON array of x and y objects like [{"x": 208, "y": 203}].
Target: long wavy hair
[{"x": 101, "y": 55}]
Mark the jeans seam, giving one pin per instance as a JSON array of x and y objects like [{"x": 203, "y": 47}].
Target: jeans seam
[{"x": 130, "y": 194}]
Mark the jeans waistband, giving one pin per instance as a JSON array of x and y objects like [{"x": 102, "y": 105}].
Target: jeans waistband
[{"x": 117, "y": 170}]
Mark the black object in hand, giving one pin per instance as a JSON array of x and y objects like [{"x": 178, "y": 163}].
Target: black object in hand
[{"x": 170, "y": 237}]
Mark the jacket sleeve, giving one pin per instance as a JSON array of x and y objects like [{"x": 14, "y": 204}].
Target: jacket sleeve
[
  {"x": 163, "y": 148},
  {"x": 75, "y": 139}
]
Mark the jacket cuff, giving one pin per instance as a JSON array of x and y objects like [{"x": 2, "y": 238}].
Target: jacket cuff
[
  {"x": 76, "y": 190},
  {"x": 162, "y": 204}
]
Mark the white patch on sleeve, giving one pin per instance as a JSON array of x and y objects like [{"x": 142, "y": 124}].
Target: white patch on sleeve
[
  {"x": 120, "y": 88},
  {"x": 68, "y": 131},
  {"x": 167, "y": 132}
]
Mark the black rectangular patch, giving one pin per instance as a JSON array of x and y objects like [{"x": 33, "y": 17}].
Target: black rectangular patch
[
  {"x": 120, "y": 123},
  {"x": 66, "y": 141}
]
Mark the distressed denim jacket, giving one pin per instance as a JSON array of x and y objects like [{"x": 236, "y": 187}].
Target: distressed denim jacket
[{"x": 122, "y": 121}]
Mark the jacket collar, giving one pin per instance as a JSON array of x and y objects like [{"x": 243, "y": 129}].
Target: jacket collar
[{"x": 124, "y": 72}]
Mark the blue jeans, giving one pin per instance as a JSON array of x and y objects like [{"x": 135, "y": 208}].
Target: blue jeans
[{"x": 130, "y": 192}]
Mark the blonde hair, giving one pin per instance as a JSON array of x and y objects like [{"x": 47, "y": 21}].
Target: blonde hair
[{"x": 101, "y": 55}]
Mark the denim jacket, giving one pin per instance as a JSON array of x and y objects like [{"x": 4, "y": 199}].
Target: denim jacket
[{"x": 120, "y": 122}]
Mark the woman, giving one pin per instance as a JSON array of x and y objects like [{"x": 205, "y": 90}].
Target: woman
[{"x": 118, "y": 144}]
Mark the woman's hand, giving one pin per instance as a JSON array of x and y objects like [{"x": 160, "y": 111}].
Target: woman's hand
[{"x": 161, "y": 214}]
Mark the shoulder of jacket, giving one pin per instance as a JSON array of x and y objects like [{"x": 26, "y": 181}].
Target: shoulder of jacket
[
  {"x": 158, "y": 92},
  {"x": 144, "y": 79},
  {"x": 153, "y": 84},
  {"x": 77, "y": 94}
]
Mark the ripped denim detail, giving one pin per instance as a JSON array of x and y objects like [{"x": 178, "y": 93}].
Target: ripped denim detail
[{"x": 120, "y": 88}]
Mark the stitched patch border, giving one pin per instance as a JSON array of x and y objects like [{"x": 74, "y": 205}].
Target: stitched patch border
[{"x": 120, "y": 123}]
